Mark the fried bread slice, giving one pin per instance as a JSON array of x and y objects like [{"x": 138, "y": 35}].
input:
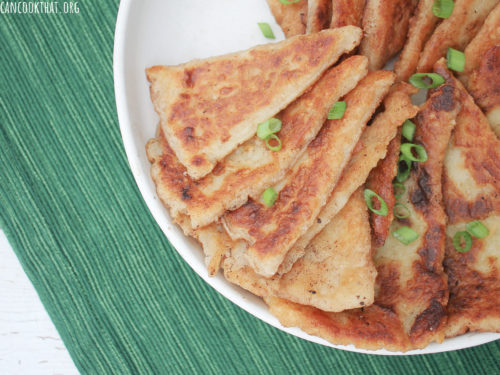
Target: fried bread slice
[
  {"x": 456, "y": 31},
  {"x": 292, "y": 18},
  {"x": 347, "y": 12},
  {"x": 411, "y": 290},
  {"x": 337, "y": 272},
  {"x": 208, "y": 107},
  {"x": 319, "y": 15},
  {"x": 371, "y": 148},
  {"x": 385, "y": 25},
  {"x": 422, "y": 24},
  {"x": 481, "y": 76},
  {"x": 472, "y": 192},
  {"x": 271, "y": 231},
  {"x": 252, "y": 167}
]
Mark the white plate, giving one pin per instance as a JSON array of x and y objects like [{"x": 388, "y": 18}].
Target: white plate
[{"x": 153, "y": 32}]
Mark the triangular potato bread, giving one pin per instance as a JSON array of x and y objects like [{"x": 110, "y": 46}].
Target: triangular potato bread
[
  {"x": 252, "y": 167},
  {"x": 292, "y": 18},
  {"x": 208, "y": 107}
]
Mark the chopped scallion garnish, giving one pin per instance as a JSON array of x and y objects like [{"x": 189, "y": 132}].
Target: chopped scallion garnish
[
  {"x": 276, "y": 138},
  {"x": 401, "y": 211},
  {"x": 266, "y": 128},
  {"x": 407, "y": 151},
  {"x": 405, "y": 235},
  {"x": 266, "y": 30},
  {"x": 417, "y": 80},
  {"x": 455, "y": 60},
  {"x": 337, "y": 111},
  {"x": 462, "y": 241},
  {"x": 477, "y": 229},
  {"x": 288, "y": 2},
  {"x": 399, "y": 190},
  {"x": 408, "y": 130},
  {"x": 404, "y": 169},
  {"x": 269, "y": 196},
  {"x": 369, "y": 195},
  {"x": 443, "y": 8}
]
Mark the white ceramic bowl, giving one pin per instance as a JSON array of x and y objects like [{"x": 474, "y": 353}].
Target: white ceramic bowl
[{"x": 154, "y": 32}]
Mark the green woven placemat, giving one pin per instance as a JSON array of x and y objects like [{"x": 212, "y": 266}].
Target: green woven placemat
[{"x": 122, "y": 299}]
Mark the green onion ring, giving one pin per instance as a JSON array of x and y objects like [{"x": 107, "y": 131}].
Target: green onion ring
[
  {"x": 405, "y": 235},
  {"x": 457, "y": 241},
  {"x": 477, "y": 229},
  {"x": 443, "y": 8},
  {"x": 408, "y": 130},
  {"x": 401, "y": 187},
  {"x": 266, "y": 30},
  {"x": 268, "y": 127},
  {"x": 269, "y": 196},
  {"x": 273, "y": 148},
  {"x": 369, "y": 194},
  {"x": 406, "y": 150},
  {"x": 405, "y": 215},
  {"x": 337, "y": 111},
  {"x": 417, "y": 80},
  {"x": 403, "y": 175},
  {"x": 455, "y": 60},
  {"x": 288, "y": 2}
]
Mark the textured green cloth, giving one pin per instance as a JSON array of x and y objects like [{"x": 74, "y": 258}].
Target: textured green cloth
[{"x": 122, "y": 299}]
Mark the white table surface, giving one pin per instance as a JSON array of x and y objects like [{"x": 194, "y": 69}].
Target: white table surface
[{"x": 29, "y": 342}]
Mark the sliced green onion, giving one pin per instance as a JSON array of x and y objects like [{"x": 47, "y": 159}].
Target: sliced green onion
[
  {"x": 405, "y": 235},
  {"x": 266, "y": 128},
  {"x": 369, "y": 194},
  {"x": 408, "y": 130},
  {"x": 266, "y": 30},
  {"x": 269, "y": 196},
  {"x": 417, "y": 80},
  {"x": 462, "y": 241},
  {"x": 404, "y": 169},
  {"x": 288, "y": 2},
  {"x": 399, "y": 190},
  {"x": 398, "y": 207},
  {"x": 477, "y": 229},
  {"x": 455, "y": 60},
  {"x": 337, "y": 111},
  {"x": 407, "y": 151},
  {"x": 273, "y": 148},
  {"x": 443, "y": 8}
]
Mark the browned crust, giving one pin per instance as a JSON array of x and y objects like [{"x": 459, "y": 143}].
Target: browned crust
[
  {"x": 380, "y": 181},
  {"x": 292, "y": 18},
  {"x": 422, "y": 24},
  {"x": 385, "y": 24},
  {"x": 347, "y": 12},
  {"x": 481, "y": 152},
  {"x": 484, "y": 82},
  {"x": 319, "y": 15}
]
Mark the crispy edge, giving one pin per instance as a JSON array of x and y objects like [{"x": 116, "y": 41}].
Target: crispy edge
[
  {"x": 292, "y": 18},
  {"x": 319, "y": 15},
  {"x": 347, "y": 12},
  {"x": 422, "y": 24}
]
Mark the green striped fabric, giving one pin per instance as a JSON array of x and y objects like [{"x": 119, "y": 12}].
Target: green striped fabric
[{"x": 122, "y": 299}]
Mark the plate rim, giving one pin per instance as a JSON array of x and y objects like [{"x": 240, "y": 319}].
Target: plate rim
[{"x": 125, "y": 125}]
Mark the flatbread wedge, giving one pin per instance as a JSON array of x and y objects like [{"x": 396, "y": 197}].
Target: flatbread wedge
[
  {"x": 456, "y": 31},
  {"x": 271, "y": 231},
  {"x": 208, "y": 107},
  {"x": 371, "y": 148},
  {"x": 481, "y": 76},
  {"x": 319, "y": 15},
  {"x": 422, "y": 25},
  {"x": 347, "y": 12},
  {"x": 385, "y": 24},
  {"x": 472, "y": 192},
  {"x": 252, "y": 167},
  {"x": 411, "y": 290},
  {"x": 337, "y": 272},
  {"x": 292, "y": 18}
]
